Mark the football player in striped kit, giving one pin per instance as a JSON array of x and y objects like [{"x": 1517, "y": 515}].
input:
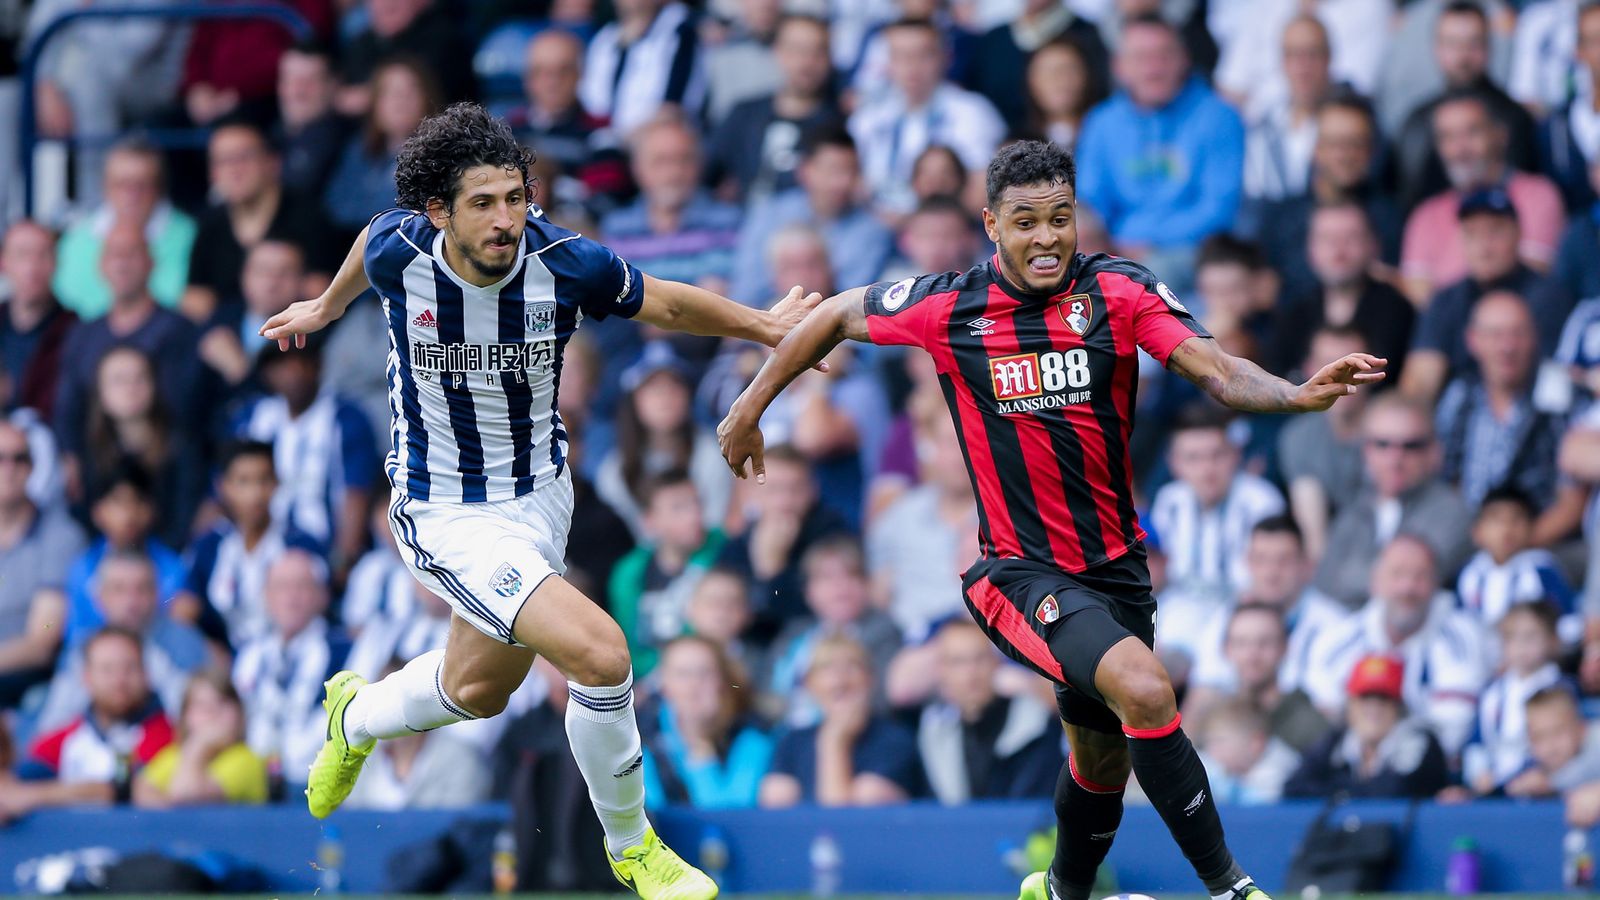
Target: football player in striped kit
[{"x": 481, "y": 294}]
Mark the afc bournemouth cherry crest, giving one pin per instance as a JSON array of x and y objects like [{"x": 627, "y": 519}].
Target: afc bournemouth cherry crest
[
  {"x": 1076, "y": 312},
  {"x": 1048, "y": 610}
]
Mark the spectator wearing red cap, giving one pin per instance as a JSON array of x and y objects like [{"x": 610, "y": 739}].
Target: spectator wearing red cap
[{"x": 1378, "y": 752}]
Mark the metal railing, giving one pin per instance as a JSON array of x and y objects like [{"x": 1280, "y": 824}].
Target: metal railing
[{"x": 28, "y": 136}]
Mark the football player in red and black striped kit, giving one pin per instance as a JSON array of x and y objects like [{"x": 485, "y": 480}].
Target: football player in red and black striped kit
[{"x": 1036, "y": 351}]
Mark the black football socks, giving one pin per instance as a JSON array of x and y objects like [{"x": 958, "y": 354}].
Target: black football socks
[
  {"x": 1087, "y": 817},
  {"x": 1172, "y": 776}
]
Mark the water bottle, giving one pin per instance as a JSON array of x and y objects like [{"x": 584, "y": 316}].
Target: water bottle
[
  {"x": 1577, "y": 861},
  {"x": 1463, "y": 871},
  {"x": 330, "y": 861},
  {"x": 714, "y": 853},
  {"x": 826, "y": 862},
  {"x": 504, "y": 862}
]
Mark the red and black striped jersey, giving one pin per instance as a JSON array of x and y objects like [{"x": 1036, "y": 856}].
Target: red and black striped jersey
[{"x": 1042, "y": 391}]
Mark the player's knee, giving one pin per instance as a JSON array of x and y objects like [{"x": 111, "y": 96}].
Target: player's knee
[
  {"x": 483, "y": 699},
  {"x": 604, "y": 660},
  {"x": 1145, "y": 698}
]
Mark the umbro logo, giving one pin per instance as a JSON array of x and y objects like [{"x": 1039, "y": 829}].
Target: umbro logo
[
  {"x": 425, "y": 319},
  {"x": 1195, "y": 803},
  {"x": 981, "y": 326}
]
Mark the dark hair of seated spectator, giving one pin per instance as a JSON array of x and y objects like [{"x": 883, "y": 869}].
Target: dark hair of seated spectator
[
  {"x": 1503, "y": 525},
  {"x": 123, "y": 509},
  {"x": 129, "y": 422},
  {"x": 1063, "y": 85},
  {"x": 938, "y": 172},
  {"x": 209, "y": 761},
  {"x": 853, "y": 757},
  {"x": 1239, "y": 286},
  {"x": 655, "y": 425},
  {"x": 832, "y": 134}
]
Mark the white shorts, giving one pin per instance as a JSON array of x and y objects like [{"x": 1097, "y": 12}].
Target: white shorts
[{"x": 485, "y": 559}]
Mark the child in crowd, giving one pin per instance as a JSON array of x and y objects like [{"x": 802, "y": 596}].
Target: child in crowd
[
  {"x": 209, "y": 762},
  {"x": 1529, "y": 648},
  {"x": 1508, "y": 570},
  {"x": 650, "y": 587},
  {"x": 124, "y": 514},
  {"x": 228, "y": 565},
  {"x": 719, "y": 611},
  {"x": 1565, "y": 749},
  {"x": 1245, "y": 763},
  {"x": 837, "y": 595}
]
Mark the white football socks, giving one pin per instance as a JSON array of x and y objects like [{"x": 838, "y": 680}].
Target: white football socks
[
  {"x": 1233, "y": 892},
  {"x": 605, "y": 741},
  {"x": 406, "y": 702}
]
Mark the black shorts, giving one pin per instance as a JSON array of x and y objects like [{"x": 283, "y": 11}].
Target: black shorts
[{"x": 1060, "y": 624}]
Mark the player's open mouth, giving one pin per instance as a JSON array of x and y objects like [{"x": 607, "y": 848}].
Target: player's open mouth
[
  {"x": 1044, "y": 265},
  {"x": 498, "y": 246}
]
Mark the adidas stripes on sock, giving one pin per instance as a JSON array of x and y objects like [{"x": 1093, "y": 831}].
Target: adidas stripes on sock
[{"x": 605, "y": 741}]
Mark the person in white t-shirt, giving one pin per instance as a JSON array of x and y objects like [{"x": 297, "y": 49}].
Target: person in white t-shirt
[
  {"x": 1446, "y": 652},
  {"x": 922, "y": 110}
]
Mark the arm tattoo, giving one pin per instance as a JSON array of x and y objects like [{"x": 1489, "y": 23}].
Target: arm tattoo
[
  {"x": 853, "y": 322},
  {"x": 1250, "y": 389},
  {"x": 1235, "y": 383}
]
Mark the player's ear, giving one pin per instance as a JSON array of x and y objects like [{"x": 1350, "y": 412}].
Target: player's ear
[
  {"x": 437, "y": 212},
  {"x": 991, "y": 225}
]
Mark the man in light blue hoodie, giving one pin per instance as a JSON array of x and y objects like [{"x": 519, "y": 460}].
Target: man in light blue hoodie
[{"x": 1162, "y": 161}]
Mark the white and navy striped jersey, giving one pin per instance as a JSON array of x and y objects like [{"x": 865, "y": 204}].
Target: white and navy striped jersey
[
  {"x": 1486, "y": 589},
  {"x": 1447, "y": 663},
  {"x": 473, "y": 371}
]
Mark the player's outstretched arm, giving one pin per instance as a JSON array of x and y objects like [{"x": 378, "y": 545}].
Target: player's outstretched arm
[
  {"x": 840, "y": 317},
  {"x": 1243, "y": 385},
  {"x": 676, "y": 306},
  {"x": 306, "y": 316}
]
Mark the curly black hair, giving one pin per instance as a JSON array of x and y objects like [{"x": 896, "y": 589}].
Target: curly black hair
[
  {"x": 445, "y": 146},
  {"x": 1029, "y": 162}
]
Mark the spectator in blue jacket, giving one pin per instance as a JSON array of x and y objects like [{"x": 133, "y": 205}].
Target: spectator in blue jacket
[
  {"x": 1162, "y": 161},
  {"x": 702, "y": 750}
]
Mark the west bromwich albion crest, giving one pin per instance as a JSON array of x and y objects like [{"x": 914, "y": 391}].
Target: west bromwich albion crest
[
  {"x": 507, "y": 581},
  {"x": 539, "y": 315}
]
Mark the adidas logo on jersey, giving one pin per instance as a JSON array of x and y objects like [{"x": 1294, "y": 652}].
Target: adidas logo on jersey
[{"x": 425, "y": 319}]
